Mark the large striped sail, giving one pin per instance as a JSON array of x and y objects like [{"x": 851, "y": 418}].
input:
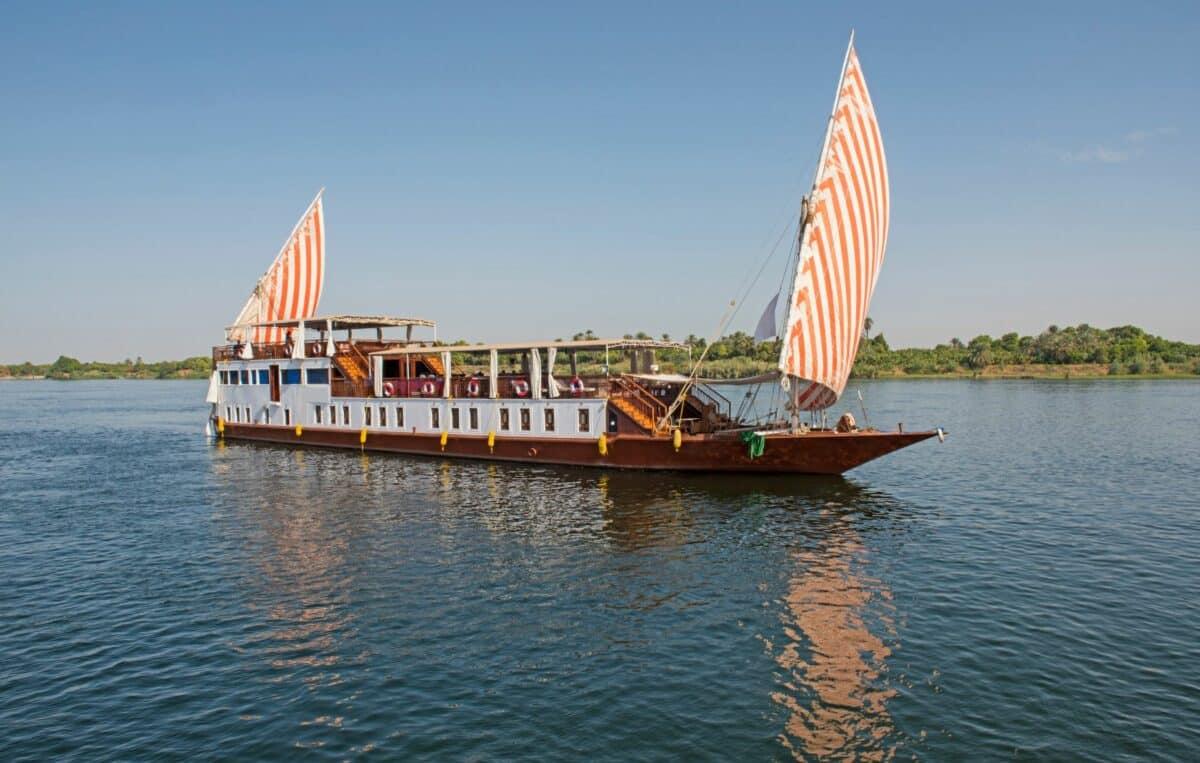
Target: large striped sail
[
  {"x": 291, "y": 287},
  {"x": 841, "y": 249}
]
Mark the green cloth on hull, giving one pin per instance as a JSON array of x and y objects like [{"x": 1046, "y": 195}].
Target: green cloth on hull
[{"x": 756, "y": 442}]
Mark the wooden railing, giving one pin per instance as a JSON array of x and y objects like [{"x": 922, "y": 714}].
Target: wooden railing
[{"x": 640, "y": 397}]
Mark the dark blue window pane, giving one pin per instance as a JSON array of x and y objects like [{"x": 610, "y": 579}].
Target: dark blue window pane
[
  {"x": 318, "y": 376},
  {"x": 291, "y": 376},
  {"x": 263, "y": 377},
  {"x": 245, "y": 377},
  {"x": 233, "y": 377}
]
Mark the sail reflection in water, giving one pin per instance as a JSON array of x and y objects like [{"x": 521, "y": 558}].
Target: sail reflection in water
[{"x": 833, "y": 614}]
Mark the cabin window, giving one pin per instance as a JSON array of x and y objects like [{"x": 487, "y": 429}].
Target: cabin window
[
  {"x": 228, "y": 414},
  {"x": 287, "y": 417},
  {"x": 584, "y": 420},
  {"x": 317, "y": 409},
  {"x": 435, "y": 418},
  {"x": 473, "y": 417},
  {"x": 366, "y": 415},
  {"x": 224, "y": 377},
  {"x": 249, "y": 416},
  {"x": 346, "y": 415},
  {"x": 317, "y": 375},
  {"x": 400, "y": 416},
  {"x": 237, "y": 415},
  {"x": 524, "y": 419},
  {"x": 504, "y": 422},
  {"x": 291, "y": 376},
  {"x": 245, "y": 376},
  {"x": 383, "y": 415},
  {"x": 233, "y": 377},
  {"x": 549, "y": 419},
  {"x": 264, "y": 377},
  {"x": 455, "y": 419},
  {"x": 333, "y": 415}
]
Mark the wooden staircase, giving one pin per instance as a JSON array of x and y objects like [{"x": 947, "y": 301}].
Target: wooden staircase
[
  {"x": 354, "y": 366},
  {"x": 636, "y": 402}
]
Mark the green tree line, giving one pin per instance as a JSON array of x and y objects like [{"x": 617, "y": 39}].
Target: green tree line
[{"x": 70, "y": 368}]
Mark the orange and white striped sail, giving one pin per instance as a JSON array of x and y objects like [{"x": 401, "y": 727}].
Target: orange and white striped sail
[
  {"x": 291, "y": 287},
  {"x": 841, "y": 249}
]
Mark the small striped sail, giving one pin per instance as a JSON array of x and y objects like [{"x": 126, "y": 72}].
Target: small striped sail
[
  {"x": 841, "y": 249},
  {"x": 291, "y": 287}
]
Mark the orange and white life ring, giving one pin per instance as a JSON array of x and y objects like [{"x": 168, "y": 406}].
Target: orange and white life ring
[
  {"x": 428, "y": 390},
  {"x": 314, "y": 350},
  {"x": 389, "y": 389},
  {"x": 473, "y": 388},
  {"x": 520, "y": 388},
  {"x": 576, "y": 386}
]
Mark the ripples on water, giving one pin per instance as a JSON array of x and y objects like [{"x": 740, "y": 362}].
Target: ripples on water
[{"x": 1028, "y": 589}]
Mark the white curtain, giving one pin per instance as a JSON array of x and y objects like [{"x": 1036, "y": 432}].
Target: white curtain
[
  {"x": 493, "y": 374},
  {"x": 551, "y": 385},
  {"x": 535, "y": 373},
  {"x": 446, "y": 367}
]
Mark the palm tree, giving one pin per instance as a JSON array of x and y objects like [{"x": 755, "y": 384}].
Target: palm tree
[{"x": 868, "y": 324}]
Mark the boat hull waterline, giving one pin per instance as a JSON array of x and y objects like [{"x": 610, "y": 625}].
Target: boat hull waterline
[{"x": 815, "y": 452}]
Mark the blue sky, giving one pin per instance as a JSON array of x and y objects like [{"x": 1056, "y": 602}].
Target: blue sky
[{"x": 521, "y": 171}]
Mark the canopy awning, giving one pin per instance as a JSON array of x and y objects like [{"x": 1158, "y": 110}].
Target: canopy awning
[
  {"x": 579, "y": 344},
  {"x": 343, "y": 322}
]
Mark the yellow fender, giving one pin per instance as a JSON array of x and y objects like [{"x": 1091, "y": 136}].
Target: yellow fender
[
  {"x": 299, "y": 429},
  {"x": 445, "y": 439},
  {"x": 362, "y": 437},
  {"x": 491, "y": 440},
  {"x": 677, "y": 439},
  {"x": 220, "y": 425},
  {"x": 602, "y": 444}
]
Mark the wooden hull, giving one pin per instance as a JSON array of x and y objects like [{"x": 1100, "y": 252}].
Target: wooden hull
[{"x": 811, "y": 453}]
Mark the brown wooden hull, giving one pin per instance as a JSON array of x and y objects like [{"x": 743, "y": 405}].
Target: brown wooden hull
[{"x": 811, "y": 453}]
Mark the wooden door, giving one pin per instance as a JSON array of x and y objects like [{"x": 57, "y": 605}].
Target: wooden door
[{"x": 275, "y": 384}]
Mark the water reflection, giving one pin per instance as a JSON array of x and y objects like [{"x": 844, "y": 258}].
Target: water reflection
[{"x": 608, "y": 553}]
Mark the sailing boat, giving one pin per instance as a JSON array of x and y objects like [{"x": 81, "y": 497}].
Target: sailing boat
[{"x": 288, "y": 375}]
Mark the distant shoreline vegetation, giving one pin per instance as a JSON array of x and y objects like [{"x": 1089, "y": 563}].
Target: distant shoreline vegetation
[{"x": 1072, "y": 352}]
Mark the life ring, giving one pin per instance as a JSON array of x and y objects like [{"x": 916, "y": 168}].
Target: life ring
[
  {"x": 520, "y": 388},
  {"x": 576, "y": 386},
  {"x": 314, "y": 350},
  {"x": 473, "y": 388},
  {"x": 428, "y": 390},
  {"x": 389, "y": 389}
]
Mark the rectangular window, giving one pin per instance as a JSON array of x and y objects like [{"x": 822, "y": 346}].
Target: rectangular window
[
  {"x": 473, "y": 417},
  {"x": 287, "y": 417},
  {"x": 366, "y": 415},
  {"x": 455, "y": 418},
  {"x": 435, "y": 418},
  {"x": 504, "y": 422},
  {"x": 383, "y": 415},
  {"x": 585, "y": 422},
  {"x": 400, "y": 416},
  {"x": 291, "y": 376},
  {"x": 333, "y": 415},
  {"x": 245, "y": 376},
  {"x": 549, "y": 418},
  {"x": 318, "y": 409},
  {"x": 228, "y": 414},
  {"x": 237, "y": 415},
  {"x": 317, "y": 375},
  {"x": 264, "y": 377},
  {"x": 233, "y": 377},
  {"x": 249, "y": 416},
  {"x": 524, "y": 419},
  {"x": 224, "y": 377},
  {"x": 346, "y": 415}
]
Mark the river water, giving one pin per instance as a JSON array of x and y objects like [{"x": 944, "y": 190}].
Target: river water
[{"x": 1028, "y": 590}]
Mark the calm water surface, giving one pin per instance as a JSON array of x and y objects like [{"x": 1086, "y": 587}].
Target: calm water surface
[{"x": 1028, "y": 590}]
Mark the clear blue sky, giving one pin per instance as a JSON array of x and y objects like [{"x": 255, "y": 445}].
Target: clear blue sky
[{"x": 525, "y": 171}]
